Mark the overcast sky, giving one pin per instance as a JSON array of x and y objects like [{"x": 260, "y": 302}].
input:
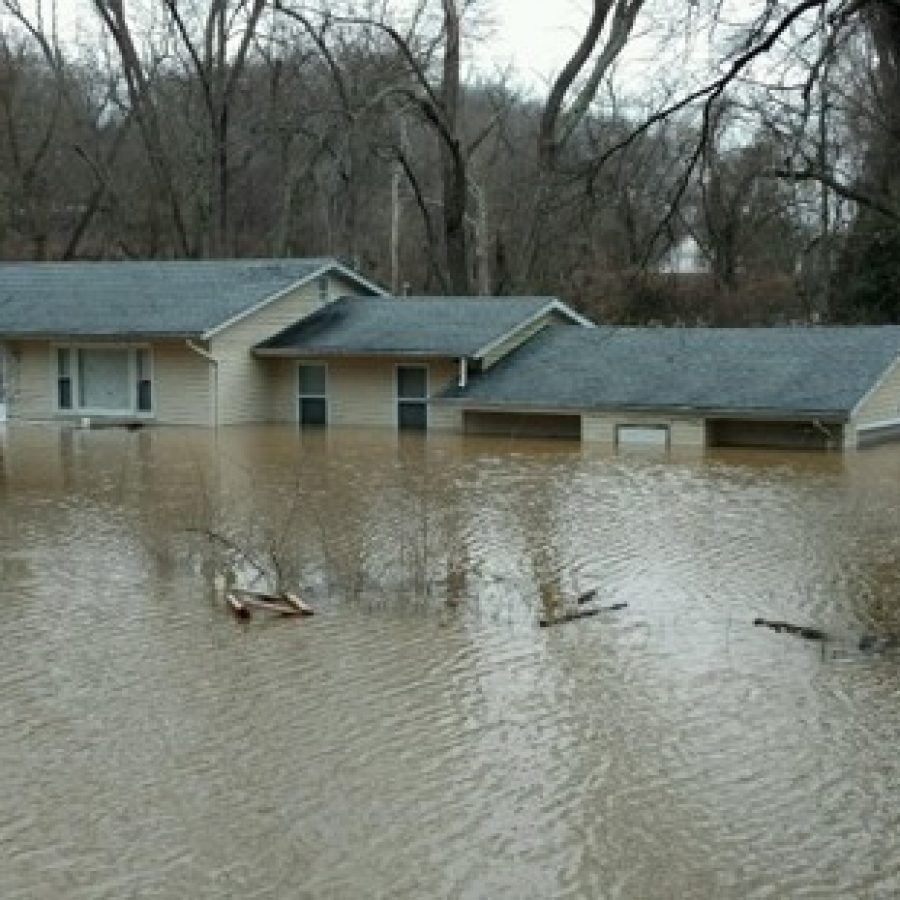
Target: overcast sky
[
  {"x": 532, "y": 38},
  {"x": 536, "y": 37}
]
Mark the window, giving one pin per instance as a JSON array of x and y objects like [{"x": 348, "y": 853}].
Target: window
[
  {"x": 64, "y": 378},
  {"x": 104, "y": 380},
  {"x": 313, "y": 394},
  {"x": 412, "y": 396},
  {"x": 144, "y": 384},
  {"x": 642, "y": 436}
]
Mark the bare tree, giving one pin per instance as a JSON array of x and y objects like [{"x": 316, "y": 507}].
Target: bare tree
[{"x": 218, "y": 71}]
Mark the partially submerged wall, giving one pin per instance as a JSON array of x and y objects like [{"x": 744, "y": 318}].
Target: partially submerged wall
[
  {"x": 877, "y": 418},
  {"x": 180, "y": 392},
  {"x": 681, "y": 432},
  {"x": 247, "y": 390},
  {"x": 522, "y": 424},
  {"x": 361, "y": 391}
]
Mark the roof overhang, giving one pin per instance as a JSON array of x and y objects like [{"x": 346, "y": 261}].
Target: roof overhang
[
  {"x": 835, "y": 417},
  {"x": 350, "y": 353},
  {"x": 117, "y": 337}
]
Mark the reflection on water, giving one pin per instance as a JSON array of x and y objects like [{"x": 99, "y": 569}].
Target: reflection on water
[{"x": 421, "y": 737}]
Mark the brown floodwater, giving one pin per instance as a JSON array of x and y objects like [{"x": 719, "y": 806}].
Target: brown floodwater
[{"x": 397, "y": 745}]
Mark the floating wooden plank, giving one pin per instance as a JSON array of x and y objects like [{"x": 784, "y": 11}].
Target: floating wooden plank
[
  {"x": 804, "y": 631},
  {"x": 284, "y": 604},
  {"x": 275, "y": 605},
  {"x": 238, "y": 607},
  {"x": 867, "y": 643},
  {"x": 569, "y": 616},
  {"x": 302, "y": 607}
]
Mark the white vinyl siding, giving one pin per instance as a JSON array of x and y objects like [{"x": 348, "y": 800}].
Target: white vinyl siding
[
  {"x": 183, "y": 386},
  {"x": 883, "y": 404},
  {"x": 180, "y": 385},
  {"x": 248, "y": 388},
  {"x": 31, "y": 382},
  {"x": 362, "y": 392}
]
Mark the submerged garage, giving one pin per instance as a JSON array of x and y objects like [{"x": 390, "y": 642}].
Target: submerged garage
[
  {"x": 777, "y": 434},
  {"x": 817, "y": 388},
  {"x": 517, "y": 424}
]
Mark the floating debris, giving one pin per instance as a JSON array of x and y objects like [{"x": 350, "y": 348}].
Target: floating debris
[
  {"x": 866, "y": 643},
  {"x": 569, "y": 614},
  {"x": 804, "y": 631},
  {"x": 242, "y": 600},
  {"x": 237, "y": 607}
]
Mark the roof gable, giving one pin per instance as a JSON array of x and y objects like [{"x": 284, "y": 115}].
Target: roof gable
[
  {"x": 173, "y": 298},
  {"x": 412, "y": 326}
]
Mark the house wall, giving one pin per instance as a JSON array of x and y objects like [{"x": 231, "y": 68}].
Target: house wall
[
  {"x": 683, "y": 432},
  {"x": 188, "y": 388},
  {"x": 247, "y": 385},
  {"x": 361, "y": 391},
  {"x": 878, "y": 415},
  {"x": 2, "y": 384},
  {"x": 181, "y": 384},
  {"x": 29, "y": 387}
]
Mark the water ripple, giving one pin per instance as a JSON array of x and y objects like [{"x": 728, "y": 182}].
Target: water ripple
[{"x": 395, "y": 745}]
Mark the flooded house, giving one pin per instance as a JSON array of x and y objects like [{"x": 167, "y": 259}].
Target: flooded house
[
  {"x": 164, "y": 342},
  {"x": 312, "y": 342},
  {"x": 812, "y": 387}
]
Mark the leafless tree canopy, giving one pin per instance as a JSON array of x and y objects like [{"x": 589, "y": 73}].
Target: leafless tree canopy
[{"x": 760, "y": 186}]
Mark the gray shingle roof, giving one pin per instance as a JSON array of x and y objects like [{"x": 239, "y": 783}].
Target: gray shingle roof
[
  {"x": 421, "y": 326},
  {"x": 162, "y": 298},
  {"x": 816, "y": 371}
]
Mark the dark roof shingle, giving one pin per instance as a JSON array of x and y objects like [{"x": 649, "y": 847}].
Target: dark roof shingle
[
  {"x": 437, "y": 326},
  {"x": 818, "y": 370},
  {"x": 175, "y": 298}
]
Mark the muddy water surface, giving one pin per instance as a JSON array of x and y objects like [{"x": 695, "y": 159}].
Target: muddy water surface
[{"x": 400, "y": 746}]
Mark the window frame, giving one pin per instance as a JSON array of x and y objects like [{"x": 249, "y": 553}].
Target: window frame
[
  {"x": 400, "y": 401},
  {"x": 302, "y": 396},
  {"x": 59, "y": 377},
  {"x": 660, "y": 427},
  {"x": 74, "y": 349}
]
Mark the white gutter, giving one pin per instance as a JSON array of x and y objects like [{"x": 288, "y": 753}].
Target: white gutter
[
  {"x": 876, "y": 426},
  {"x": 196, "y": 348},
  {"x": 463, "y": 372}
]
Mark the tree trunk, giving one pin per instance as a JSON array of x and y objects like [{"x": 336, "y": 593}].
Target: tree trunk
[{"x": 453, "y": 162}]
